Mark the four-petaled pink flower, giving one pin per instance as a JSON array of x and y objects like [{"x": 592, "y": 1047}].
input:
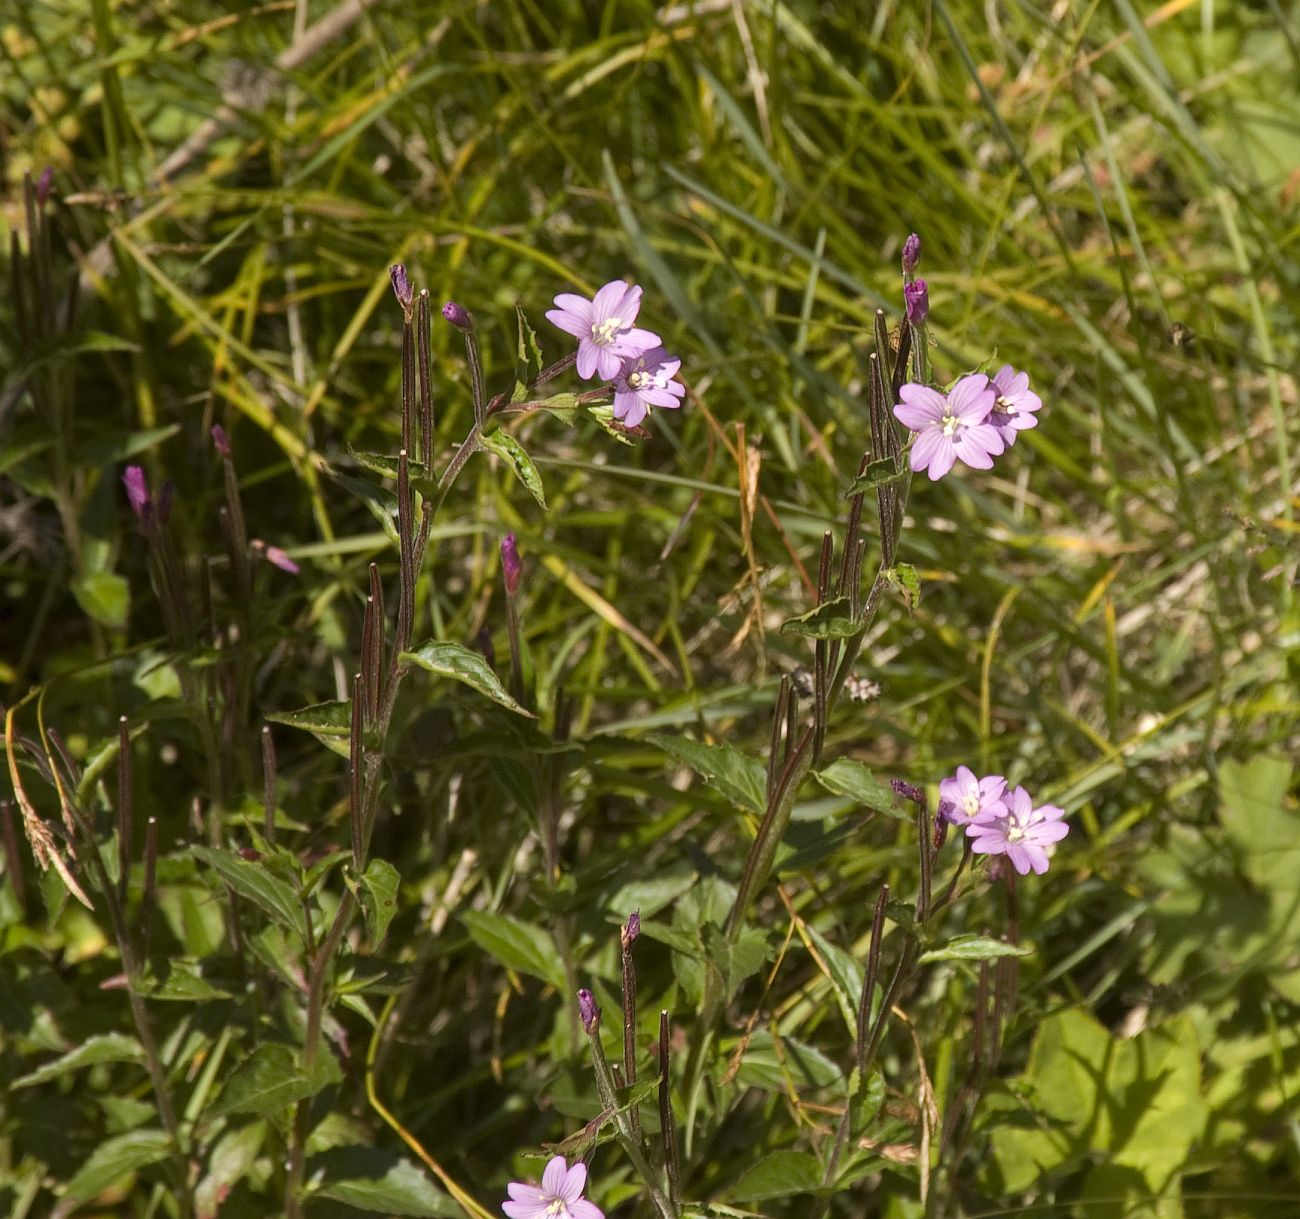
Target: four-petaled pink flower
[
  {"x": 603, "y": 328},
  {"x": 950, "y": 426},
  {"x": 560, "y": 1196},
  {"x": 646, "y": 380},
  {"x": 963, "y": 798},
  {"x": 1015, "y": 406},
  {"x": 1023, "y": 833}
]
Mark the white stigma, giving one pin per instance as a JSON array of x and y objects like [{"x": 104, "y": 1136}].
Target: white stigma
[
  {"x": 950, "y": 424},
  {"x": 604, "y": 333},
  {"x": 1005, "y": 405},
  {"x": 971, "y": 803},
  {"x": 635, "y": 380}
]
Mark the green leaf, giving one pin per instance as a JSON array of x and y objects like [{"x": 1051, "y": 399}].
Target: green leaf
[
  {"x": 107, "y": 1047},
  {"x": 516, "y": 944},
  {"x": 116, "y": 1158},
  {"x": 844, "y": 777},
  {"x": 777, "y": 1065},
  {"x": 974, "y": 948},
  {"x": 182, "y": 981},
  {"x": 112, "y": 447},
  {"x": 778, "y": 1176},
  {"x": 846, "y": 977},
  {"x": 736, "y": 958},
  {"x": 740, "y": 778},
  {"x": 505, "y": 446},
  {"x": 832, "y": 619},
  {"x": 380, "y": 1182},
  {"x": 563, "y": 406},
  {"x": 1253, "y": 812},
  {"x": 459, "y": 663},
  {"x": 270, "y": 1080},
  {"x": 105, "y": 596},
  {"x": 903, "y": 577},
  {"x": 387, "y": 467},
  {"x": 878, "y": 474},
  {"x": 379, "y": 885},
  {"x": 255, "y": 882},
  {"x": 528, "y": 355},
  {"x": 329, "y": 723}
]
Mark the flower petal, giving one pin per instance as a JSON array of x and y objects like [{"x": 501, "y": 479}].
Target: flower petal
[
  {"x": 944, "y": 456},
  {"x": 635, "y": 342},
  {"x": 630, "y": 305},
  {"x": 635, "y": 412},
  {"x": 924, "y": 447},
  {"x": 574, "y": 1182},
  {"x": 931, "y": 401},
  {"x": 604, "y": 304},
  {"x": 971, "y": 396},
  {"x": 608, "y": 364},
  {"x": 570, "y": 323},
  {"x": 588, "y": 355},
  {"x": 1020, "y": 858},
  {"x": 521, "y": 1192},
  {"x": 525, "y": 1210},
  {"x": 582, "y": 1209},
  {"x": 580, "y": 306}
]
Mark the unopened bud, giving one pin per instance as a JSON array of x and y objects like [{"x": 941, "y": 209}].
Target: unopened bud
[
  {"x": 909, "y": 791},
  {"x": 632, "y": 931},
  {"x": 137, "y": 492},
  {"x": 911, "y": 253},
  {"x": 457, "y": 315},
  {"x": 512, "y": 567},
  {"x": 401, "y": 286},
  {"x": 588, "y": 1012},
  {"x": 917, "y": 296},
  {"x": 221, "y": 441}
]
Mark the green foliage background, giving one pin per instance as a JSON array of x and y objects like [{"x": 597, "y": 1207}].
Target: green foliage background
[{"x": 1108, "y": 198}]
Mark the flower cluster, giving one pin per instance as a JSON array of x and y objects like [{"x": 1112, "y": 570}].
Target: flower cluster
[
  {"x": 560, "y": 1195},
  {"x": 1002, "y": 823},
  {"x": 976, "y": 420},
  {"x": 634, "y": 360}
]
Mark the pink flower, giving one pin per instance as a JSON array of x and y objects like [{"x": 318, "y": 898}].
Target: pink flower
[
  {"x": 603, "y": 328},
  {"x": 644, "y": 381},
  {"x": 963, "y": 798},
  {"x": 951, "y": 426},
  {"x": 1016, "y": 405},
  {"x": 560, "y": 1196},
  {"x": 1023, "y": 833}
]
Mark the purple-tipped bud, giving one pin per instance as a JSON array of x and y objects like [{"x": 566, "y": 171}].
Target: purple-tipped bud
[
  {"x": 588, "y": 1012},
  {"x": 633, "y": 929},
  {"x": 909, "y": 791},
  {"x": 281, "y": 560},
  {"x": 221, "y": 441},
  {"x": 401, "y": 286},
  {"x": 137, "y": 492},
  {"x": 456, "y": 315},
  {"x": 512, "y": 567},
  {"x": 43, "y": 186},
  {"x": 911, "y": 253},
  {"x": 917, "y": 296},
  {"x": 941, "y": 827}
]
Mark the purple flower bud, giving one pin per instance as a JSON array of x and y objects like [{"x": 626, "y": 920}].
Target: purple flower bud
[
  {"x": 281, "y": 560},
  {"x": 43, "y": 185},
  {"x": 633, "y": 929},
  {"x": 512, "y": 567},
  {"x": 917, "y": 296},
  {"x": 940, "y": 829},
  {"x": 909, "y": 791},
  {"x": 401, "y": 286},
  {"x": 221, "y": 441},
  {"x": 137, "y": 492},
  {"x": 457, "y": 316},
  {"x": 911, "y": 253},
  {"x": 588, "y": 1012}
]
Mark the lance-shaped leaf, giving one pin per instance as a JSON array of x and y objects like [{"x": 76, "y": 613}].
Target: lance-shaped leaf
[
  {"x": 832, "y": 619},
  {"x": 974, "y": 948},
  {"x": 253, "y": 880},
  {"x": 459, "y": 663},
  {"x": 512, "y": 452},
  {"x": 329, "y": 723},
  {"x": 738, "y": 777},
  {"x": 878, "y": 474},
  {"x": 844, "y": 777}
]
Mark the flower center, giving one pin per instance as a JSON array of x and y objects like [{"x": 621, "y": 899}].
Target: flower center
[
  {"x": 604, "y": 333},
  {"x": 1015, "y": 831},
  {"x": 971, "y": 803},
  {"x": 950, "y": 424},
  {"x": 635, "y": 380},
  {"x": 556, "y": 1207},
  {"x": 1004, "y": 405}
]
